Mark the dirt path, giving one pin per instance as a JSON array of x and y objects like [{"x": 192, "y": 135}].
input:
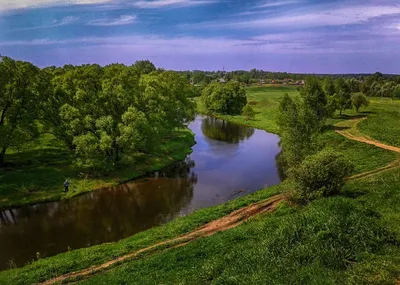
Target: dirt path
[
  {"x": 351, "y": 132},
  {"x": 225, "y": 223},
  {"x": 362, "y": 138}
]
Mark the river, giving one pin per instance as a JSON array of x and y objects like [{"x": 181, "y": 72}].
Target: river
[{"x": 228, "y": 161}]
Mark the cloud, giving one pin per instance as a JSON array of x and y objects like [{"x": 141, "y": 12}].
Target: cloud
[
  {"x": 328, "y": 16},
  {"x": 165, "y": 3},
  {"x": 277, "y": 4},
  {"x": 56, "y": 23},
  {"x": 281, "y": 43},
  {"x": 26, "y": 4},
  {"x": 122, "y": 20}
]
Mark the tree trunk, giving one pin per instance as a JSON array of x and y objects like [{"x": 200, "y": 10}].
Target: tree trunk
[{"x": 2, "y": 154}]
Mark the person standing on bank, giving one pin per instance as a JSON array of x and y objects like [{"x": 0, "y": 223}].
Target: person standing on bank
[{"x": 66, "y": 186}]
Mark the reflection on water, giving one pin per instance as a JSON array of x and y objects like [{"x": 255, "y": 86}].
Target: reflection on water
[
  {"x": 227, "y": 161},
  {"x": 221, "y": 130}
]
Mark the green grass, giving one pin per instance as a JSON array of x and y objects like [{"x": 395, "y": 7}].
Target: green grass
[
  {"x": 37, "y": 174},
  {"x": 353, "y": 238},
  {"x": 44, "y": 269},
  {"x": 383, "y": 123},
  {"x": 265, "y": 102}
]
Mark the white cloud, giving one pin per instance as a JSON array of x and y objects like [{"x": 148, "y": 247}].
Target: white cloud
[
  {"x": 25, "y": 4},
  {"x": 293, "y": 43},
  {"x": 306, "y": 18},
  {"x": 165, "y": 3},
  {"x": 56, "y": 23},
  {"x": 334, "y": 17},
  {"x": 277, "y": 3},
  {"x": 122, "y": 20}
]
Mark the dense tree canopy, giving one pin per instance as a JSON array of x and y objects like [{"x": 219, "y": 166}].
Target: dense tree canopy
[
  {"x": 18, "y": 103},
  {"x": 227, "y": 98},
  {"x": 102, "y": 114}
]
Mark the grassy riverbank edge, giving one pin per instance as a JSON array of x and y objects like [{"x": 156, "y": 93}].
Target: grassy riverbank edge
[{"x": 174, "y": 149}]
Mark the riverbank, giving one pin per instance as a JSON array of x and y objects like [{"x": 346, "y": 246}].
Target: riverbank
[
  {"x": 41, "y": 172},
  {"x": 352, "y": 238}
]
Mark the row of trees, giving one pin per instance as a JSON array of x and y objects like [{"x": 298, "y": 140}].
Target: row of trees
[
  {"x": 102, "y": 114},
  {"x": 376, "y": 84}
]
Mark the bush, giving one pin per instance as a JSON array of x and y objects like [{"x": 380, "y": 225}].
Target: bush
[
  {"x": 248, "y": 112},
  {"x": 321, "y": 174}
]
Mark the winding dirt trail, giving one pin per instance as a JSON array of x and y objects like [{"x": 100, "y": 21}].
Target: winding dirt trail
[
  {"x": 362, "y": 138},
  {"x": 351, "y": 132},
  {"x": 225, "y": 223}
]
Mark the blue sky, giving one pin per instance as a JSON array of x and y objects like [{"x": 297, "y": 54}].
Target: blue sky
[{"x": 310, "y": 36}]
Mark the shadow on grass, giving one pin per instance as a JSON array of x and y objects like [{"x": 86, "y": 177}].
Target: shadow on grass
[
  {"x": 353, "y": 194},
  {"x": 328, "y": 128}
]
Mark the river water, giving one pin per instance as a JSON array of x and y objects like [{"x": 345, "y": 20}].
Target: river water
[{"x": 228, "y": 161}]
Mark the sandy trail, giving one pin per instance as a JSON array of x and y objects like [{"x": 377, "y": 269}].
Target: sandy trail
[
  {"x": 364, "y": 139},
  {"x": 225, "y": 223}
]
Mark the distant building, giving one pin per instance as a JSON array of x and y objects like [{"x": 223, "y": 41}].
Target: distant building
[{"x": 222, "y": 80}]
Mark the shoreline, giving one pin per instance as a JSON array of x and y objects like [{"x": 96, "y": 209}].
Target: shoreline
[{"x": 185, "y": 141}]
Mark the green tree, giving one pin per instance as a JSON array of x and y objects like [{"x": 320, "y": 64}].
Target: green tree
[
  {"x": 227, "y": 98},
  {"x": 248, "y": 112},
  {"x": 329, "y": 86},
  {"x": 123, "y": 113},
  {"x": 18, "y": 100},
  {"x": 143, "y": 67},
  {"x": 342, "y": 95},
  {"x": 321, "y": 174},
  {"x": 358, "y": 100},
  {"x": 314, "y": 104}
]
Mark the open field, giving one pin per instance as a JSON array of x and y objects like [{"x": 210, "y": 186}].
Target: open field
[
  {"x": 265, "y": 102},
  {"x": 37, "y": 174},
  {"x": 353, "y": 238}
]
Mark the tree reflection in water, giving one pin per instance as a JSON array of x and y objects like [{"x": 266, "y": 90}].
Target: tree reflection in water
[
  {"x": 220, "y": 130},
  {"x": 101, "y": 216}
]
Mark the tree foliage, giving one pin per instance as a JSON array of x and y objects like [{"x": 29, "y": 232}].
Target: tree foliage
[
  {"x": 18, "y": 104},
  {"x": 227, "y": 98},
  {"x": 358, "y": 100},
  {"x": 321, "y": 174},
  {"x": 103, "y": 114}
]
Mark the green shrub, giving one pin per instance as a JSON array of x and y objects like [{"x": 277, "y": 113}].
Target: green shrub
[
  {"x": 321, "y": 174},
  {"x": 248, "y": 112}
]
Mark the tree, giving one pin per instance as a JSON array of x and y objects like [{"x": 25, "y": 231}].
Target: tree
[
  {"x": 123, "y": 114},
  {"x": 321, "y": 174},
  {"x": 314, "y": 104},
  {"x": 227, "y": 98},
  {"x": 143, "y": 67},
  {"x": 342, "y": 95},
  {"x": 329, "y": 86},
  {"x": 358, "y": 100},
  {"x": 18, "y": 101},
  {"x": 248, "y": 112}
]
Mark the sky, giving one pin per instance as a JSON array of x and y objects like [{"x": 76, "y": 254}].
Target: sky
[{"x": 301, "y": 36}]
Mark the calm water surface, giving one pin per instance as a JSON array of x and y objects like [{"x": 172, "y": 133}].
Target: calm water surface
[{"x": 228, "y": 161}]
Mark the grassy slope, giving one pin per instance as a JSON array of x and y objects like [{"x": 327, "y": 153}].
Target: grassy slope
[
  {"x": 383, "y": 123},
  {"x": 350, "y": 239},
  {"x": 39, "y": 172}
]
